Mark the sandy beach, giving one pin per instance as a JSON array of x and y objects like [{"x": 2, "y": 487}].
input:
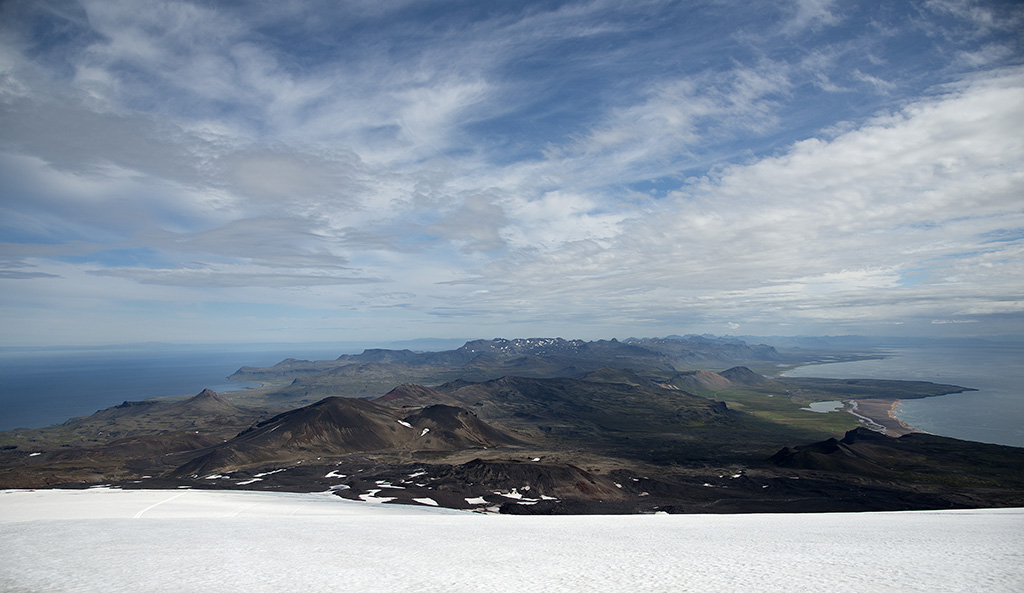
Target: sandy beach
[{"x": 882, "y": 413}]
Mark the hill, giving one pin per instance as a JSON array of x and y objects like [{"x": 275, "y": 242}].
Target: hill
[
  {"x": 579, "y": 427},
  {"x": 339, "y": 426},
  {"x": 127, "y": 440},
  {"x": 375, "y": 371},
  {"x": 919, "y": 457}
]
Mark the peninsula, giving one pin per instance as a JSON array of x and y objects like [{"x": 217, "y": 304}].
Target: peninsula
[{"x": 684, "y": 424}]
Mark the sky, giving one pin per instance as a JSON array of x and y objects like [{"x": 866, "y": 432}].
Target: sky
[{"x": 210, "y": 172}]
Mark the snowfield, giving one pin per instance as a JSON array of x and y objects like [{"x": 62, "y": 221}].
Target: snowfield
[{"x": 191, "y": 540}]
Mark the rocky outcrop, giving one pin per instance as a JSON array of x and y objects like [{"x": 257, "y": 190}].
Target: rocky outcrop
[
  {"x": 744, "y": 376},
  {"x": 537, "y": 479}
]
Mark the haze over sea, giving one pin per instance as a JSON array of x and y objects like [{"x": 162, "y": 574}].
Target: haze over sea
[
  {"x": 44, "y": 387},
  {"x": 993, "y": 414}
]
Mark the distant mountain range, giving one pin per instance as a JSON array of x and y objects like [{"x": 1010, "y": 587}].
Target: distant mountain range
[
  {"x": 542, "y": 425},
  {"x": 376, "y": 370}
]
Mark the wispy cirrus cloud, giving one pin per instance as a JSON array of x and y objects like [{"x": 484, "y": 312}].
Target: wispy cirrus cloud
[
  {"x": 227, "y": 276},
  {"x": 895, "y": 214},
  {"x": 580, "y": 168}
]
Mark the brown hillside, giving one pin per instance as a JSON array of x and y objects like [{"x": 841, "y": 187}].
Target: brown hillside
[{"x": 338, "y": 426}]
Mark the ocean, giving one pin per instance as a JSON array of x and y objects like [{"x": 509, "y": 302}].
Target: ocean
[
  {"x": 993, "y": 414},
  {"x": 44, "y": 387}
]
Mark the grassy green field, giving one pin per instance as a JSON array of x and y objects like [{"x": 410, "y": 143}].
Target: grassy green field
[{"x": 787, "y": 411}]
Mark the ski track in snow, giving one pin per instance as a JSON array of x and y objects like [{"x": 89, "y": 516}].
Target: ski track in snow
[
  {"x": 139, "y": 514},
  {"x": 172, "y": 540}
]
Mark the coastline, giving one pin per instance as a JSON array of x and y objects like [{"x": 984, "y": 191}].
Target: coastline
[
  {"x": 880, "y": 414},
  {"x": 990, "y": 412},
  {"x": 875, "y": 413}
]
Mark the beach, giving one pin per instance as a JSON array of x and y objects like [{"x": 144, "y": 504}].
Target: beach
[
  {"x": 880, "y": 414},
  {"x": 990, "y": 413}
]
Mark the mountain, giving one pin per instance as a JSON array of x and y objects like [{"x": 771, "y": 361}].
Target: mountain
[
  {"x": 412, "y": 395},
  {"x": 205, "y": 403},
  {"x": 377, "y": 370},
  {"x": 744, "y": 376},
  {"x": 700, "y": 381},
  {"x": 288, "y": 368},
  {"x": 578, "y": 401},
  {"x": 917, "y": 457},
  {"x": 127, "y": 440},
  {"x": 210, "y": 403},
  {"x": 566, "y": 426},
  {"x": 960, "y": 472},
  {"x": 205, "y": 411},
  {"x": 617, "y": 418},
  {"x": 706, "y": 349},
  {"x": 337, "y": 426},
  {"x": 457, "y": 428}
]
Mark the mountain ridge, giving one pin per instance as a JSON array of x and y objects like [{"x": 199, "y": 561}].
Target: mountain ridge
[
  {"x": 339, "y": 426},
  {"x": 522, "y": 356},
  {"x": 536, "y": 425}
]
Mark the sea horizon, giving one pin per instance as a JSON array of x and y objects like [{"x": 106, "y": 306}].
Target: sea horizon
[{"x": 46, "y": 386}]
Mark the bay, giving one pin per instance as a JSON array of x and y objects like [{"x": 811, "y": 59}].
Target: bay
[{"x": 992, "y": 414}]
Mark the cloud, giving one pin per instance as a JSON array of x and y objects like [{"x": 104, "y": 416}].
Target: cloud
[
  {"x": 226, "y": 277},
  {"x": 673, "y": 123},
  {"x": 813, "y": 14},
  {"x": 580, "y": 165},
  {"x": 293, "y": 177},
  {"x": 475, "y": 224},
  {"x": 18, "y": 275},
  {"x": 976, "y": 19},
  {"x": 914, "y": 192}
]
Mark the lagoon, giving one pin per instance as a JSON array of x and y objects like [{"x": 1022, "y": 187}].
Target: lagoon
[{"x": 993, "y": 414}]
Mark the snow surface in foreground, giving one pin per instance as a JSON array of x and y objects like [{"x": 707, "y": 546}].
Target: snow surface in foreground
[{"x": 188, "y": 540}]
